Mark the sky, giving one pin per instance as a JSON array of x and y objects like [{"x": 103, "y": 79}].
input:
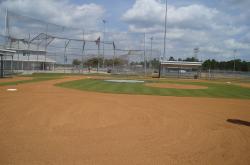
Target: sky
[{"x": 217, "y": 28}]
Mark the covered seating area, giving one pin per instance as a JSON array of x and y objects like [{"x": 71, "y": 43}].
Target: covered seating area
[
  {"x": 3, "y": 54},
  {"x": 179, "y": 69}
]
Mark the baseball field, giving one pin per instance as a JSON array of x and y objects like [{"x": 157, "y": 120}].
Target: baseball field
[{"x": 52, "y": 119}]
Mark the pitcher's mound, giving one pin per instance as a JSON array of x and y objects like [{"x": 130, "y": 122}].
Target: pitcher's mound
[{"x": 176, "y": 86}]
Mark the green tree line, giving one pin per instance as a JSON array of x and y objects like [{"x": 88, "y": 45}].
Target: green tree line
[
  {"x": 226, "y": 65},
  {"x": 238, "y": 64},
  {"x": 93, "y": 62}
]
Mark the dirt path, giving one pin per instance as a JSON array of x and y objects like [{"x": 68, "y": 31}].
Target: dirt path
[{"x": 42, "y": 124}]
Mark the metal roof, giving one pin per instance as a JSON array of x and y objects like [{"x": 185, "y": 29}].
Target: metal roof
[
  {"x": 30, "y": 58},
  {"x": 28, "y": 51},
  {"x": 7, "y": 52},
  {"x": 180, "y": 63}
]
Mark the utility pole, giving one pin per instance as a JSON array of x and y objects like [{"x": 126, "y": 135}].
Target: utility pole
[
  {"x": 46, "y": 46},
  {"x": 165, "y": 32},
  {"x": 104, "y": 27},
  {"x": 98, "y": 63},
  {"x": 144, "y": 52},
  {"x": 28, "y": 54},
  {"x": 235, "y": 51},
  {"x": 114, "y": 56},
  {"x": 65, "y": 55},
  {"x": 151, "y": 54},
  {"x": 83, "y": 47},
  {"x": 7, "y": 33}
]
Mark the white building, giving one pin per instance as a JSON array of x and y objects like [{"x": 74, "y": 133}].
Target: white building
[
  {"x": 26, "y": 60},
  {"x": 180, "y": 68}
]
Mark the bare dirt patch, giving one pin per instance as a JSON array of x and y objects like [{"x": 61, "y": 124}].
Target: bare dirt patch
[
  {"x": 44, "y": 124},
  {"x": 245, "y": 85},
  {"x": 176, "y": 86}
]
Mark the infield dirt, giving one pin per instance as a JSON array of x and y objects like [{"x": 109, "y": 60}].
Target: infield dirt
[{"x": 44, "y": 124}]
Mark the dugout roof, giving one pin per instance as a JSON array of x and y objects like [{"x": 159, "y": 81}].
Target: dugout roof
[{"x": 181, "y": 64}]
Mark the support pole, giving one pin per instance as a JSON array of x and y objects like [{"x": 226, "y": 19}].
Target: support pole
[
  {"x": 235, "y": 51},
  {"x": 98, "y": 63},
  {"x": 165, "y": 30},
  {"x": 18, "y": 62},
  {"x": 6, "y": 27},
  {"x": 83, "y": 47},
  {"x": 11, "y": 66},
  {"x": 29, "y": 52},
  {"x": 104, "y": 23},
  {"x": 1, "y": 72},
  {"x": 114, "y": 56},
  {"x": 159, "y": 70},
  {"x": 151, "y": 53},
  {"x": 65, "y": 56},
  {"x": 144, "y": 53},
  {"x": 46, "y": 46}
]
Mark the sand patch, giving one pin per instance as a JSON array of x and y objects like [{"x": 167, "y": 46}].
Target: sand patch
[
  {"x": 176, "y": 86},
  {"x": 245, "y": 85}
]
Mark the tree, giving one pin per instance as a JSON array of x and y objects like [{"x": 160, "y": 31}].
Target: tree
[
  {"x": 171, "y": 59},
  {"x": 155, "y": 63},
  {"x": 192, "y": 59},
  {"x": 226, "y": 65},
  {"x": 93, "y": 62},
  {"x": 76, "y": 62}
]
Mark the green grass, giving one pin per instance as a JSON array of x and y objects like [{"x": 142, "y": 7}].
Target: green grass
[
  {"x": 36, "y": 77},
  {"x": 220, "y": 90}
]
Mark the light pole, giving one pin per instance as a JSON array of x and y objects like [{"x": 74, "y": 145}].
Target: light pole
[
  {"x": 144, "y": 53},
  {"x": 196, "y": 51},
  {"x": 165, "y": 31},
  {"x": 235, "y": 51},
  {"x": 151, "y": 53},
  {"x": 104, "y": 27}
]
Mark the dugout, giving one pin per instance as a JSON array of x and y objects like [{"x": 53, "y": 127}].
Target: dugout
[
  {"x": 180, "y": 69},
  {"x": 4, "y": 53}
]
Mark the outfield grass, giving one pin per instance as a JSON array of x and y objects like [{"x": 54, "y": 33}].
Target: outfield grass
[
  {"x": 217, "y": 90},
  {"x": 36, "y": 77}
]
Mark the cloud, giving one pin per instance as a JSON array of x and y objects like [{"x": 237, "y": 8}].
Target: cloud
[
  {"x": 214, "y": 30},
  {"x": 83, "y": 16},
  {"x": 232, "y": 43},
  {"x": 146, "y": 13}
]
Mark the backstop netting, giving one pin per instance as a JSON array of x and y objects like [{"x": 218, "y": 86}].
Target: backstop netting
[{"x": 43, "y": 46}]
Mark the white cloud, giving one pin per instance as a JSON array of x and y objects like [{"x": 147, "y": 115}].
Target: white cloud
[
  {"x": 232, "y": 43},
  {"x": 194, "y": 25},
  {"x": 61, "y": 12},
  {"x": 151, "y": 13}
]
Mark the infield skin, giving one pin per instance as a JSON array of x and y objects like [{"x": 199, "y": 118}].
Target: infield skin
[{"x": 43, "y": 124}]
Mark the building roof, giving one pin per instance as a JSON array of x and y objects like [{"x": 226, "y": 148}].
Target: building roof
[
  {"x": 6, "y": 52},
  {"x": 30, "y": 58},
  {"x": 177, "y": 64},
  {"x": 28, "y": 51}
]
